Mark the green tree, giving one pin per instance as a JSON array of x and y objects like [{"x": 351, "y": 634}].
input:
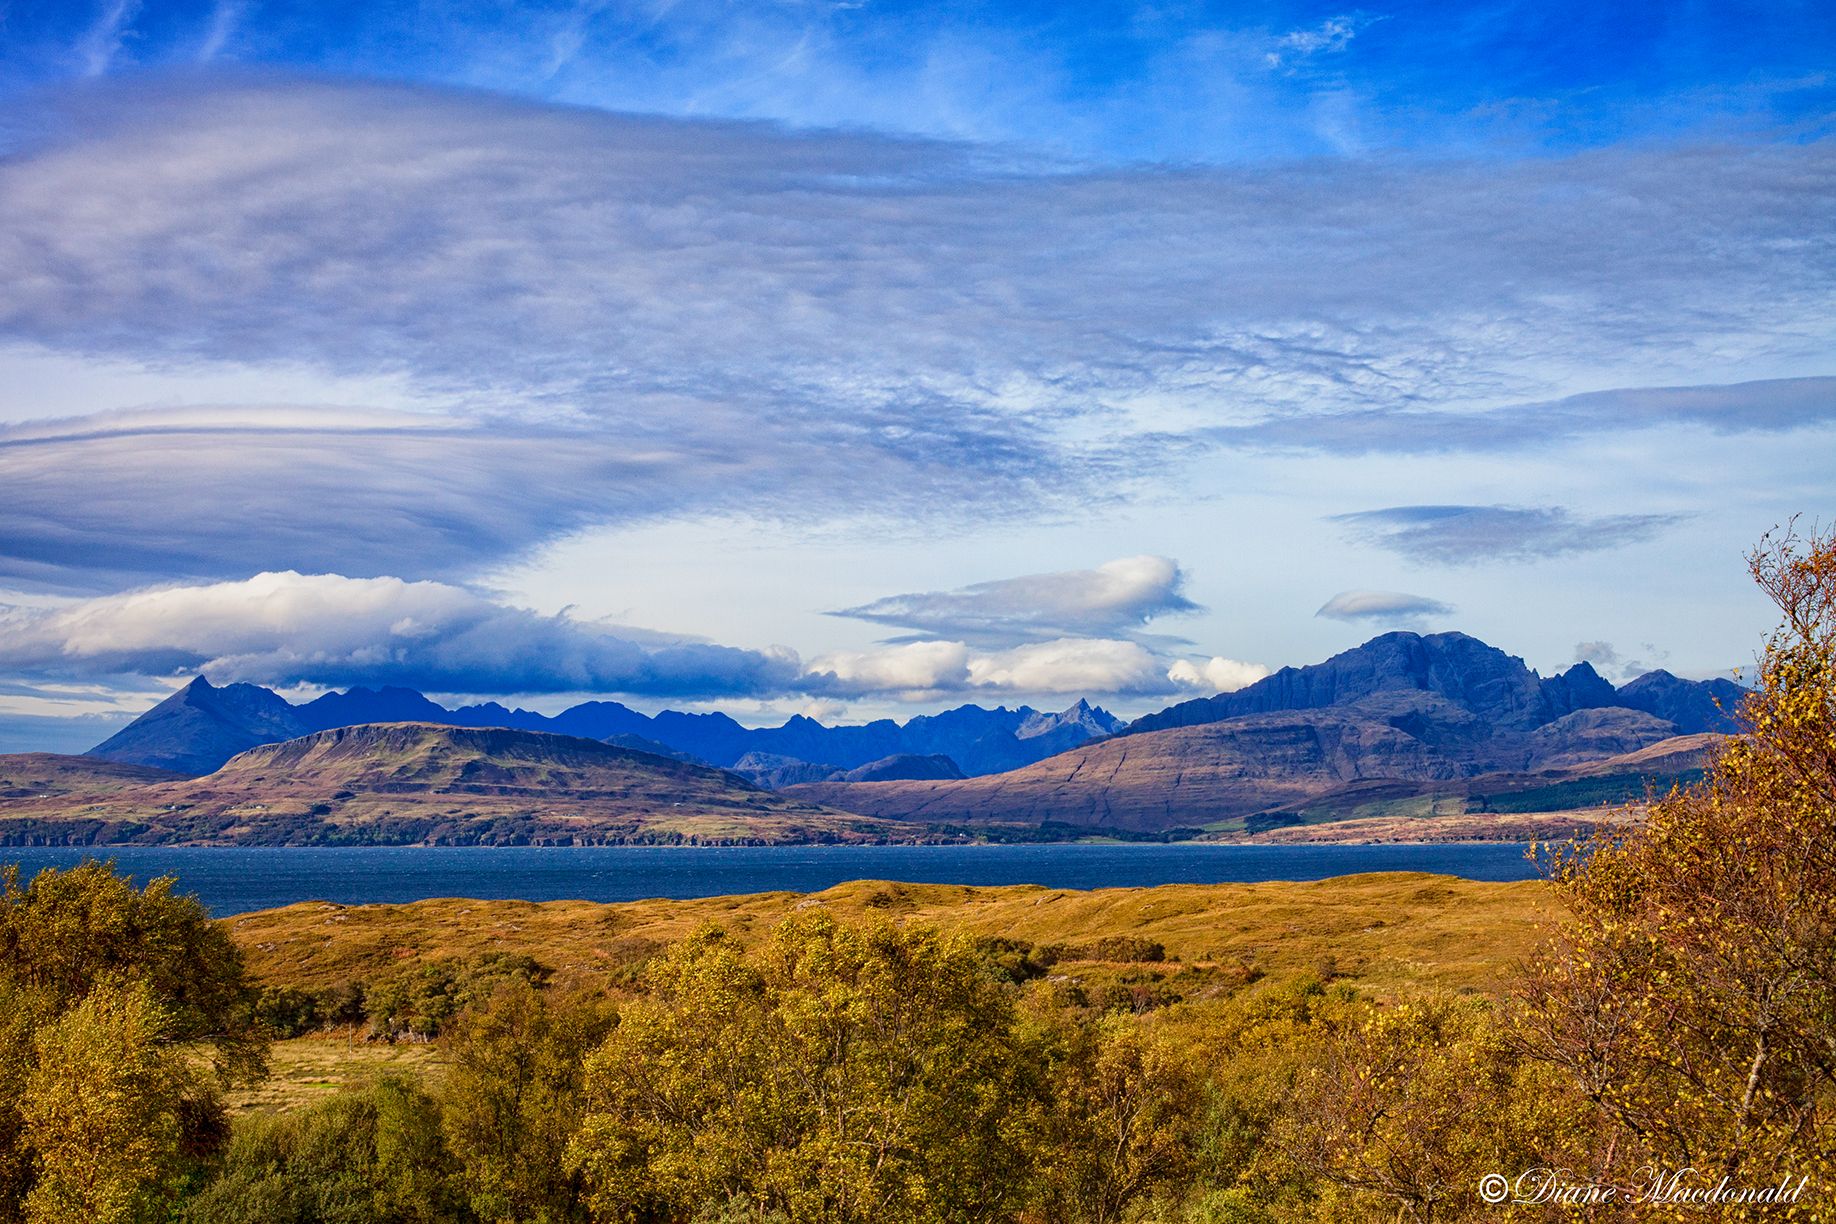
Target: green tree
[
  {"x": 513, "y": 1097},
  {"x": 418, "y": 1002},
  {"x": 840, "y": 1074},
  {"x": 370, "y": 1155}
]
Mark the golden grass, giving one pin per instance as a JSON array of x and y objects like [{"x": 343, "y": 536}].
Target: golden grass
[
  {"x": 1386, "y": 932},
  {"x": 307, "y": 1069}
]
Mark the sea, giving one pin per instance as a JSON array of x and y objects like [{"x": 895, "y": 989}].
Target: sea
[{"x": 237, "y": 880}]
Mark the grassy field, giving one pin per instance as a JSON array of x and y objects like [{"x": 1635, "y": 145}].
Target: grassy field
[
  {"x": 1385, "y": 931},
  {"x": 1388, "y": 934},
  {"x": 309, "y": 1068}
]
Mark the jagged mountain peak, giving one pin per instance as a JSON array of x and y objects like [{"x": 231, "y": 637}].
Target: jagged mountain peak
[{"x": 1480, "y": 678}]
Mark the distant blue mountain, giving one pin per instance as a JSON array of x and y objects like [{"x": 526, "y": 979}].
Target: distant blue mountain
[{"x": 201, "y": 726}]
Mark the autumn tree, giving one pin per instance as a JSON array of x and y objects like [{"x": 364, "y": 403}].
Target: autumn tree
[
  {"x": 124, "y": 1013},
  {"x": 65, "y": 932},
  {"x": 104, "y": 1110},
  {"x": 1396, "y": 1112},
  {"x": 1691, "y": 994},
  {"x": 1121, "y": 1125},
  {"x": 840, "y": 1074},
  {"x": 513, "y": 1097}
]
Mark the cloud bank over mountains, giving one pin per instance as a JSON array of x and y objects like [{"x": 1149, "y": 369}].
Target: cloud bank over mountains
[
  {"x": 284, "y": 629},
  {"x": 326, "y": 630}
]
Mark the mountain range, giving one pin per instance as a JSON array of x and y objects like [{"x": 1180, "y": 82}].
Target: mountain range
[
  {"x": 1483, "y": 680},
  {"x": 1435, "y": 717},
  {"x": 1401, "y": 727},
  {"x": 201, "y": 726}
]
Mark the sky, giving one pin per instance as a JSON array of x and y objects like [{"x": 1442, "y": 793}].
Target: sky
[{"x": 866, "y": 359}]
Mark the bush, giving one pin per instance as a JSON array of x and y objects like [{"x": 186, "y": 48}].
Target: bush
[
  {"x": 1128, "y": 949},
  {"x": 417, "y": 1002},
  {"x": 366, "y": 1156}
]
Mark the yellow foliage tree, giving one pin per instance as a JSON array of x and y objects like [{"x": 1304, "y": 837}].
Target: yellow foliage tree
[
  {"x": 1123, "y": 1123},
  {"x": 101, "y": 1110},
  {"x": 841, "y": 1075},
  {"x": 1691, "y": 995},
  {"x": 513, "y": 1097}
]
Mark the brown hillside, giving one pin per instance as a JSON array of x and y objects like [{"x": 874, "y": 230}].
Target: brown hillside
[
  {"x": 1159, "y": 779},
  {"x": 1218, "y": 774},
  {"x": 406, "y": 783},
  {"x": 46, "y": 775}
]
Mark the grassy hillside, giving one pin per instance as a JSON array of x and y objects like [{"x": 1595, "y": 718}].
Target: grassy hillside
[
  {"x": 35, "y": 777},
  {"x": 1390, "y": 934},
  {"x": 1239, "y": 779},
  {"x": 408, "y": 783},
  {"x": 1387, "y": 930}
]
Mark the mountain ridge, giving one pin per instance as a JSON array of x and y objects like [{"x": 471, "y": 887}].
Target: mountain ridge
[
  {"x": 422, "y": 783},
  {"x": 199, "y": 727},
  {"x": 1494, "y": 685}
]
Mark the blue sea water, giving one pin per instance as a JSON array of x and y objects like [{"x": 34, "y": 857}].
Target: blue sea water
[{"x": 236, "y": 880}]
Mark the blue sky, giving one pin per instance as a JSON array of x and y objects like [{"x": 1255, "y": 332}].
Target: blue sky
[{"x": 871, "y": 358}]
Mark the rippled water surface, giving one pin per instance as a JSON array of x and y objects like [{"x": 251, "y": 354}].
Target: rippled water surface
[{"x": 232, "y": 881}]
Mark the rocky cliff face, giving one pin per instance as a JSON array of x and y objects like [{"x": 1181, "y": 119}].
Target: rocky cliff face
[{"x": 1693, "y": 705}]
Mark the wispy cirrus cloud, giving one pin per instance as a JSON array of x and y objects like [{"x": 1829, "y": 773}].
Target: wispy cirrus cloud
[
  {"x": 1767, "y": 406},
  {"x": 1474, "y": 535},
  {"x": 624, "y": 318},
  {"x": 1332, "y": 35},
  {"x": 121, "y": 499}
]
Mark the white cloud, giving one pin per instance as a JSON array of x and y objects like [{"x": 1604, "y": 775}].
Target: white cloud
[
  {"x": 909, "y": 667},
  {"x": 1216, "y": 674},
  {"x": 1071, "y": 665},
  {"x": 1387, "y": 607},
  {"x": 1115, "y": 597},
  {"x": 917, "y": 670},
  {"x": 329, "y": 630},
  {"x": 1332, "y": 35}
]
